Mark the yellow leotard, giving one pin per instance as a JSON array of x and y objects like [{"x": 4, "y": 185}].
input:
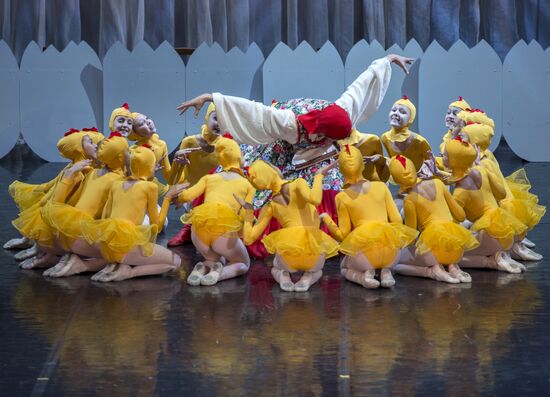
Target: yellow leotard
[
  {"x": 66, "y": 219},
  {"x": 200, "y": 162},
  {"x": 481, "y": 207},
  {"x": 369, "y": 222},
  {"x": 416, "y": 151},
  {"x": 436, "y": 220},
  {"x": 300, "y": 242},
  {"x": 220, "y": 213}
]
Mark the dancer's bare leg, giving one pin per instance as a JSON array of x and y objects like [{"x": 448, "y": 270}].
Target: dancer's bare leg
[
  {"x": 74, "y": 264},
  {"x": 490, "y": 255},
  {"x": 357, "y": 269},
  {"x": 236, "y": 256},
  {"x": 312, "y": 276},
  {"x": 135, "y": 264},
  {"x": 281, "y": 274},
  {"x": 20, "y": 243},
  {"x": 425, "y": 266}
]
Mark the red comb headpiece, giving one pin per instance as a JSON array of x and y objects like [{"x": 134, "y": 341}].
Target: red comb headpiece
[
  {"x": 347, "y": 149},
  {"x": 147, "y": 146},
  {"x": 71, "y": 131},
  {"x": 125, "y": 106},
  {"x": 405, "y": 97},
  {"x": 459, "y": 138},
  {"x": 227, "y": 135},
  {"x": 115, "y": 133},
  {"x": 459, "y": 98},
  {"x": 402, "y": 160},
  {"x": 471, "y": 122},
  {"x": 93, "y": 129}
]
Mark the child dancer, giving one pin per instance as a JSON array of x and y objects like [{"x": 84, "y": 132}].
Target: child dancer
[
  {"x": 215, "y": 225},
  {"x": 299, "y": 245},
  {"x": 369, "y": 227},
  {"x": 430, "y": 208}
]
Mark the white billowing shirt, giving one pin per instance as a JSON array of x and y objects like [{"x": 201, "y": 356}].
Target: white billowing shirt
[{"x": 254, "y": 123}]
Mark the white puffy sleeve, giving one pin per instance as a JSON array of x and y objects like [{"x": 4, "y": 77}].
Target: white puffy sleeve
[
  {"x": 366, "y": 93},
  {"x": 253, "y": 123}
]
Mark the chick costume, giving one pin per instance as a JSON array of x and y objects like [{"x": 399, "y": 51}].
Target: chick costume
[
  {"x": 66, "y": 219},
  {"x": 368, "y": 145},
  {"x": 418, "y": 147},
  {"x": 368, "y": 222},
  {"x": 481, "y": 205},
  {"x": 26, "y": 195},
  {"x": 30, "y": 222},
  {"x": 436, "y": 219},
  {"x": 459, "y": 104},
  {"x": 299, "y": 242},
  {"x": 219, "y": 216},
  {"x": 518, "y": 200},
  {"x": 120, "y": 230}
]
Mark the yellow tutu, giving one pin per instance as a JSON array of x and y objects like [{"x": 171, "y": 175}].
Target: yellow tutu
[
  {"x": 31, "y": 224},
  {"x": 117, "y": 237},
  {"x": 446, "y": 240},
  {"x": 379, "y": 241},
  {"x": 25, "y": 195},
  {"x": 501, "y": 225},
  {"x": 66, "y": 222},
  {"x": 528, "y": 212},
  {"x": 300, "y": 246},
  {"x": 519, "y": 185},
  {"x": 213, "y": 220}
]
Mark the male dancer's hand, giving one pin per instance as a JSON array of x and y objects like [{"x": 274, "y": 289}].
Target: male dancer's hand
[
  {"x": 400, "y": 61},
  {"x": 197, "y": 103}
]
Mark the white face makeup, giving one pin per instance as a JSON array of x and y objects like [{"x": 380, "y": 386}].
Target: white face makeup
[
  {"x": 212, "y": 124},
  {"x": 123, "y": 125},
  {"x": 457, "y": 127},
  {"x": 89, "y": 147},
  {"x": 399, "y": 116},
  {"x": 451, "y": 117},
  {"x": 144, "y": 126}
]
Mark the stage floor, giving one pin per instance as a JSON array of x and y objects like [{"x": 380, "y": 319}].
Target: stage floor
[{"x": 158, "y": 336}]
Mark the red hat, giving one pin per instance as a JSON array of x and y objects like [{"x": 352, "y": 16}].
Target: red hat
[{"x": 333, "y": 122}]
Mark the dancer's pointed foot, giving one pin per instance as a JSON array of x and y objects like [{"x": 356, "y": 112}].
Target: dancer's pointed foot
[
  {"x": 458, "y": 273},
  {"x": 18, "y": 244},
  {"x": 386, "y": 278}
]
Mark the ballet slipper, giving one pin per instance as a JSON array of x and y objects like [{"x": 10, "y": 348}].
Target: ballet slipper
[
  {"x": 386, "y": 278},
  {"x": 522, "y": 252},
  {"x": 60, "y": 265},
  {"x": 458, "y": 273},
  {"x": 121, "y": 272},
  {"x": 283, "y": 279},
  {"x": 503, "y": 262},
  {"x": 213, "y": 275},
  {"x": 18, "y": 243},
  {"x": 196, "y": 275},
  {"x": 26, "y": 254},
  {"x": 44, "y": 261},
  {"x": 106, "y": 270},
  {"x": 369, "y": 281},
  {"x": 438, "y": 273},
  {"x": 307, "y": 280},
  {"x": 528, "y": 243}
]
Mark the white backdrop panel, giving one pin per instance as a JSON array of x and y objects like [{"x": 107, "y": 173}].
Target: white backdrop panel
[
  {"x": 526, "y": 84},
  {"x": 303, "y": 73},
  {"x": 235, "y": 73},
  {"x": 9, "y": 99},
  {"x": 53, "y": 97},
  {"x": 151, "y": 81},
  {"x": 473, "y": 73}
]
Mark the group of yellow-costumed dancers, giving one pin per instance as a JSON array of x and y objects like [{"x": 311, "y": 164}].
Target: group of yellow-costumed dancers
[{"x": 101, "y": 214}]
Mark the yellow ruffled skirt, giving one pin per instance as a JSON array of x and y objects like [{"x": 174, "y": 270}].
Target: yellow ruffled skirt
[
  {"x": 300, "y": 247},
  {"x": 528, "y": 212},
  {"x": 519, "y": 185},
  {"x": 117, "y": 237},
  {"x": 379, "y": 241},
  {"x": 66, "y": 221},
  {"x": 501, "y": 225},
  {"x": 446, "y": 240},
  {"x": 30, "y": 223},
  {"x": 211, "y": 221},
  {"x": 25, "y": 195}
]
